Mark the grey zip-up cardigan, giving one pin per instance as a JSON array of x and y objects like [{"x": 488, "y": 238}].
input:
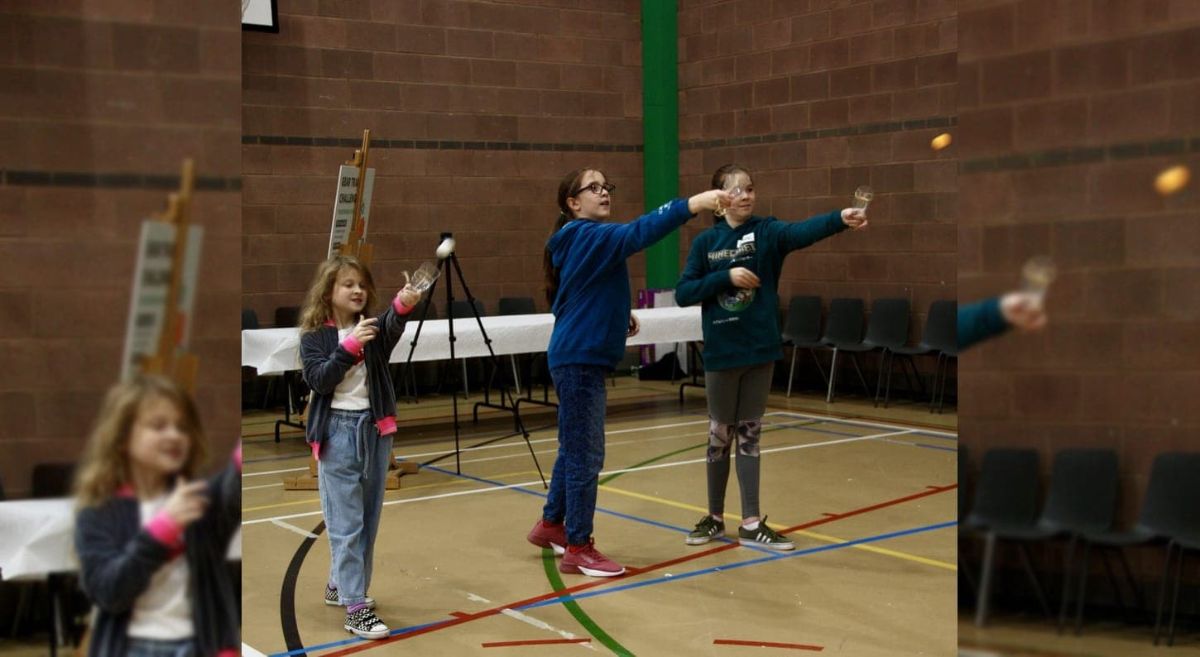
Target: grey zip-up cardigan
[
  {"x": 118, "y": 554},
  {"x": 326, "y": 362}
]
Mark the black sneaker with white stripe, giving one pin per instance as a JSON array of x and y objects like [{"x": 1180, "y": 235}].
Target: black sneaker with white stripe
[
  {"x": 331, "y": 598},
  {"x": 706, "y": 530},
  {"x": 366, "y": 624},
  {"x": 764, "y": 536}
]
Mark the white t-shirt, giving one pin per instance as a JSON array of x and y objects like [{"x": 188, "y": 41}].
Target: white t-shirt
[
  {"x": 351, "y": 393},
  {"x": 164, "y": 610}
]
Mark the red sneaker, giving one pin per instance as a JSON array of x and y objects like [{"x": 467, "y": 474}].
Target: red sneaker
[
  {"x": 587, "y": 559},
  {"x": 547, "y": 535}
]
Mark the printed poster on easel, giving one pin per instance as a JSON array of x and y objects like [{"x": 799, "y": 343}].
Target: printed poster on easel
[
  {"x": 151, "y": 284},
  {"x": 344, "y": 203},
  {"x": 164, "y": 291}
]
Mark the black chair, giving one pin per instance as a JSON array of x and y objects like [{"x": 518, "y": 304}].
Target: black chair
[
  {"x": 516, "y": 306},
  {"x": 294, "y": 387},
  {"x": 1169, "y": 510},
  {"x": 942, "y": 374},
  {"x": 249, "y": 374},
  {"x": 461, "y": 309},
  {"x": 1006, "y": 496},
  {"x": 287, "y": 316},
  {"x": 963, "y": 496},
  {"x": 963, "y": 463},
  {"x": 887, "y": 327},
  {"x": 52, "y": 480},
  {"x": 55, "y": 480},
  {"x": 938, "y": 336},
  {"x": 802, "y": 330},
  {"x": 1184, "y": 543},
  {"x": 404, "y": 376},
  {"x": 249, "y": 319},
  {"x": 1082, "y": 498}
]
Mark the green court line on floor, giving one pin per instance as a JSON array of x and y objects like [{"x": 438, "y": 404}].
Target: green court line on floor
[{"x": 556, "y": 581}]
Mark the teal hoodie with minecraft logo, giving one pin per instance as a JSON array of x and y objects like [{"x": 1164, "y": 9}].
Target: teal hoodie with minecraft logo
[{"x": 741, "y": 327}]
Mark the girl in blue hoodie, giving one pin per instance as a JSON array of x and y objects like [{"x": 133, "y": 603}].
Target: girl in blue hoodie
[
  {"x": 587, "y": 286},
  {"x": 733, "y": 270}
]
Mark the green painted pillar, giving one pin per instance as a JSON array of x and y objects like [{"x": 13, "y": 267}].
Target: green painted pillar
[{"x": 660, "y": 130}]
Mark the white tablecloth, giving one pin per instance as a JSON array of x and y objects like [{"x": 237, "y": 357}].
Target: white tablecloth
[
  {"x": 37, "y": 537},
  {"x": 272, "y": 351}
]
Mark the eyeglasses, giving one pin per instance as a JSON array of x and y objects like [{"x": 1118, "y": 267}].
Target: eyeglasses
[{"x": 596, "y": 187}]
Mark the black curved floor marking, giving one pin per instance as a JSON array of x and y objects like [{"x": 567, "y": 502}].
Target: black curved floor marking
[{"x": 287, "y": 593}]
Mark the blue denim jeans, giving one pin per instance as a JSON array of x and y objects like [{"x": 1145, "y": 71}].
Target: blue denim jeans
[
  {"x": 158, "y": 648},
  {"x": 581, "y": 401},
  {"x": 353, "y": 476}
]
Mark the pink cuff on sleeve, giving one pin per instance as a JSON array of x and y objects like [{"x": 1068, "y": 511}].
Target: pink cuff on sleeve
[
  {"x": 227, "y": 652},
  {"x": 386, "y": 426},
  {"x": 399, "y": 306},
  {"x": 166, "y": 531},
  {"x": 237, "y": 456},
  {"x": 316, "y": 450},
  {"x": 351, "y": 344}
]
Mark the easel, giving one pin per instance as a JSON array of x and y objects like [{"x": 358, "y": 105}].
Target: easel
[
  {"x": 354, "y": 245},
  {"x": 169, "y": 360}
]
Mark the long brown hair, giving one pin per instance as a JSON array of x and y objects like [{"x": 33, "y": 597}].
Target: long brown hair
[
  {"x": 568, "y": 187},
  {"x": 105, "y": 467},
  {"x": 318, "y": 308}
]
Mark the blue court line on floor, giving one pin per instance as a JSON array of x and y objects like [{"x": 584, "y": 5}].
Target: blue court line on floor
[
  {"x": 618, "y": 514},
  {"x": 346, "y": 642},
  {"x": 774, "y": 556},
  {"x": 937, "y": 447},
  {"x": 741, "y": 564},
  {"x": 912, "y": 444}
]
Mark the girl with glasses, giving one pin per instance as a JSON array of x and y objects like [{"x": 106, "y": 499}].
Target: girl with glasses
[{"x": 587, "y": 286}]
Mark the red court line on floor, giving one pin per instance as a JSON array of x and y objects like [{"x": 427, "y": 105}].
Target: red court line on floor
[
  {"x": 460, "y": 614},
  {"x": 644, "y": 569},
  {"x": 766, "y": 644},
  {"x": 539, "y": 642}
]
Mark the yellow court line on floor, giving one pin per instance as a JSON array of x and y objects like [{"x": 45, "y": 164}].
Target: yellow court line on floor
[
  {"x": 449, "y": 482},
  {"x": 821, "y": 537}
]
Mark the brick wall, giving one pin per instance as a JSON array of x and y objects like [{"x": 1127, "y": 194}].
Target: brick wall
[
  {"x": 476, "y": 110},
  {"x": 126, "y": 88},
  {"x": 1067, "y": 111},
  {"x": 817, "y": 98}
]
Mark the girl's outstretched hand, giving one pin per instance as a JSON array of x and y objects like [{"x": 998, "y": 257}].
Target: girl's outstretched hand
[
  {"x": 409, "y": 296},
  {"x": 710, "y": 200},
  {"x": 854, "y": 218}
]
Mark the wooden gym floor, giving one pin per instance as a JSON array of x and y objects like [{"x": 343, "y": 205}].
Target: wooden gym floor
[{"x": 868, "y": 494}]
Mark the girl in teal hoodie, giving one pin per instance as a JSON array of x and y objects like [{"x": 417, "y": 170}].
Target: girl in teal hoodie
[
  {"x": 587, "y": 285},
  {"x": 733, "y": 270}
]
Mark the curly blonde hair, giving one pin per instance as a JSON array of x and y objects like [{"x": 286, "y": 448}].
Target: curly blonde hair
[
  {"x": 105, "y": 466},
  {"x": 318, "y": 308}
]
